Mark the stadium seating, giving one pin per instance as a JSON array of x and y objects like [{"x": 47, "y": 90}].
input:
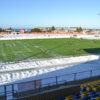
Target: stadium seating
[{"x": 88, "y": 91}]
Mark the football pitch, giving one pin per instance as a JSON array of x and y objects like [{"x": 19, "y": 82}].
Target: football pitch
[{"x": 16, "y": 50}]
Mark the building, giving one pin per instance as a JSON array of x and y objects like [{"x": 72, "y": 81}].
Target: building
[
  {"x": 22, "y": 31},
  {"x": 8, "y": 30},
  {"x": 61, "y": 29},
  {"x": 44, "y": 29}
]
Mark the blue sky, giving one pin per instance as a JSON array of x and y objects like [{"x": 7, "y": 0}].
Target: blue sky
[{"x": 45, "y": 13}]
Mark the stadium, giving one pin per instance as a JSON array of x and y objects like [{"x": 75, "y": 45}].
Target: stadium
[{"x": 49, "y": 67}]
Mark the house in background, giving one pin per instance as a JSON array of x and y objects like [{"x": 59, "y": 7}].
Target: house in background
[
  {"x": 72, "y": 29},
  {"x": 8, "y": 31},
  {"x": 61, "y": 29},
  {"x": 22, "y": 31}
]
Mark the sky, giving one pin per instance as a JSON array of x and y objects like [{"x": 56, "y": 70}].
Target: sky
[{"x": 47, "y": 13}]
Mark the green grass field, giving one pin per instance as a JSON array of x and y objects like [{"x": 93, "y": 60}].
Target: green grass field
[{"x": 15, "y": 50}]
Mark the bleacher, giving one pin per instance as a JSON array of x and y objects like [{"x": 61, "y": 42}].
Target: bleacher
[{"x": 88, "y": 91}]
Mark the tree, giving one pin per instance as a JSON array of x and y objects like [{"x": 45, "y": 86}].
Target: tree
[
  {"x": 79, "y": 29},
  {"x": 49, "y": 30},
  {"x": 35, "y": 30},
  {"x": 10, "y": 28},
  {"x": 1, "y": 30},
  {"x": 52, "y": 28}
]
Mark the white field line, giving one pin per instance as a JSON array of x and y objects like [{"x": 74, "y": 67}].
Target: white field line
[
  {"x": 14, "y": 45},
  {"x": 24, "y": 46},
  {"x": 23, "y": 55},
  {"x": 1, "y": 46},
  {"x": 16, "y": 54},
  {"x": 29, "y": 50},
  {"x": 8, "y": 45},
  {"x": 47, "y": 51},
  {"x": 52, "y": 54},
  {"x": 28, "y": 47},
  {"x": 4, "y": 54}
]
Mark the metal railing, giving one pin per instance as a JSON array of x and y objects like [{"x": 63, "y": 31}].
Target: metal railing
[{"x": 51, "y": 81}]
